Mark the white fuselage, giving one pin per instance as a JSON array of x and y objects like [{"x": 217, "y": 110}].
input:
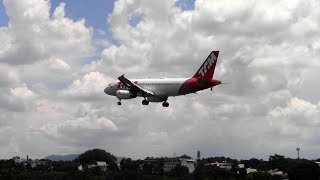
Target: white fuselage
[
  {"x": 158, "y": 90},
  {"x": 162, "y": 87}
]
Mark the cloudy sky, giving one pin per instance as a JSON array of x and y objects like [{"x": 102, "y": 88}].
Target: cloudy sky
[{"x": 56, "y": 57}]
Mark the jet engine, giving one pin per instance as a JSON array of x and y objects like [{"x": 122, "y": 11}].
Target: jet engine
[{"x": 125, "y": 94}]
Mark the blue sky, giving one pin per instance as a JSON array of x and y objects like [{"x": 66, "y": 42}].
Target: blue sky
[
  {"x": 3, "y": 16},
  {"x": 186, "y": 4},
  {"x": 94, "y": 11}
]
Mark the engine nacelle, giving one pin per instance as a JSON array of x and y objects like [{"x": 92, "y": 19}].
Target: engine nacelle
[{"x": 125, "y": 94}]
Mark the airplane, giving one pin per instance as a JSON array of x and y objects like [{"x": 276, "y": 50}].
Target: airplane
[{"x": 158, "y": 90}]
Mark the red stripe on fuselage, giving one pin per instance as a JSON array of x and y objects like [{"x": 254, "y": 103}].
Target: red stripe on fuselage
[{"x": 193, "y": 85}]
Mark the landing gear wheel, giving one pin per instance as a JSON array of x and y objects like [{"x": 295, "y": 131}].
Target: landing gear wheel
[
  {"x": 145, "y": 102},
  {"x": 119, "y": 103},
  {"x": 165, "y": 104}
]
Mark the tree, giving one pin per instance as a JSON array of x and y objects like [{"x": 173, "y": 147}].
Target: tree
[
  {"x": 148, "y": 168},
  {"x": 185, "y": 156},
  {"x": 179, "y": 171},
  {"x": 252, "y": 163},
  {"x": 91, "y": 156},
  {"x": 198, "y": 155},
  {"x": 303, "y": 169},
  {"x": 279, "y": 162},
  {"x": 129, "y": 164}
]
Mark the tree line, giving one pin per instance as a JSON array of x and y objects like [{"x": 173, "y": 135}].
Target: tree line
[{"x": 128, "y": 169}]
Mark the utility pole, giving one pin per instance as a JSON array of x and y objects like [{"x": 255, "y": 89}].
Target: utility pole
[{"x": 298, "y": 150}]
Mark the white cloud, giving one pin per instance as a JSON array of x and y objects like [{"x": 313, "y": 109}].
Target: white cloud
[
  {"x": 21, "y": 91},
  {"x": 296, "y": 106},
  {"x": 90, "y": 86},
  {"x": 46, "y": 37},
  {"x": 106, "y": 123},
  {"x": 59, "y": 11},
  {"x": 60, "y": 65}
]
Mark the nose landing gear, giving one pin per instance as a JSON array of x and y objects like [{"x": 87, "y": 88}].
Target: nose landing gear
[{"x": 145, "y": 102}]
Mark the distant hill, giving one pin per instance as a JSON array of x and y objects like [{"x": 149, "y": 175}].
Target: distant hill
[{"x": 69, "y": 157}]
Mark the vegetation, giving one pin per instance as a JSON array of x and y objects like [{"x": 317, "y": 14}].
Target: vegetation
[
  {"x": 152, "y": 168},
  {"x": 91, "y": 156}
]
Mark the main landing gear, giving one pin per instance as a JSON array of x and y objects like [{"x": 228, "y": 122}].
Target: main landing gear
[
  {"x": 119, "y": 103},
  {"x": 165, "y": 104},
  {"x": 145, "y": 102}
]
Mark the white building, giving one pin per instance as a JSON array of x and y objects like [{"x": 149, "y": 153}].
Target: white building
[
  {"x": 170, "y": 163},
  {"x": 224, "y": 165},
  {"x": 101, "y": 164},
  {"x": 227, "y": 166},
  {"x": 17, "y": 159},
  {"x": 250, "y": 170},
  {"x": 241, "y": 166},
  {"x": 277, "y": 172},
  {"x": 35, "y": 163},
  {"x": 189, "y": 163}
]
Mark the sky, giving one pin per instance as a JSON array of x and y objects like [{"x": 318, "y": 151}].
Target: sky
[{"x": 57, "y": 56}]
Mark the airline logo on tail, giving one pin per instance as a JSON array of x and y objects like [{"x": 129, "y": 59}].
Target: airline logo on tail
[
  {"x": 207, "y": 64},
  {"x": 207, "y": 69}
]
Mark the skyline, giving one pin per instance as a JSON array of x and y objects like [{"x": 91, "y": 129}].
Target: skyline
[{"x": 57, "y": 56}]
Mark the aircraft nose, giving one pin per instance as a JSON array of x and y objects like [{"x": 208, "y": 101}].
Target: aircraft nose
[{"x": 106, "y": 90}]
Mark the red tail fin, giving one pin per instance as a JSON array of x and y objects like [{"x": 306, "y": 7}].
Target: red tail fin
[{"x": 206, "y": 70}]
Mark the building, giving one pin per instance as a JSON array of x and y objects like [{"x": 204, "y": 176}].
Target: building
[
  {"x": 223, "y": 165},
  {"x": 277, "y": 172},
  {"x": 226, "y": 166},
  {"x": 170, "y": 163},
  {"x": 153, "y": 165},
  {"x": 240, "y": 166},
  {"x": 17, "y": 159},
  {"x": 189, "y": 163},
  {"x": 37, "y": 162},
  {"x": 33, "y": 163},
  {"x": 119, "y": 159},
  {"x": 250, "y": 170},
  {"x": 102, "y": 165}
]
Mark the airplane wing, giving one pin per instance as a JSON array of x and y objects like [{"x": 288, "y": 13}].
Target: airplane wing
[{"x": 135, "y": 87}]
